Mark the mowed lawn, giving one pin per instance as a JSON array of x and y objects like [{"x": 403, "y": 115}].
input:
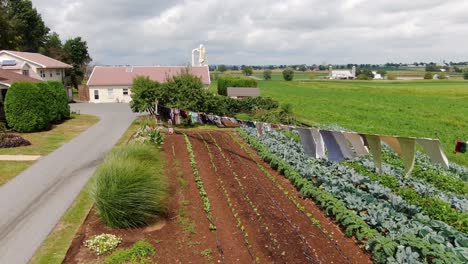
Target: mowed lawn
[
  {"x": 42, "y": 143},
  {"x": 435, "y": 109}
]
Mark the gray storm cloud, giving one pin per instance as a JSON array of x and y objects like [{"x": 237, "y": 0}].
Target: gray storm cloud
[{"x": 152, "y": 32}]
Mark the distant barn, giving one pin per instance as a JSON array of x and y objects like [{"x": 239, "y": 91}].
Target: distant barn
[{"x": 244, "y": 92}]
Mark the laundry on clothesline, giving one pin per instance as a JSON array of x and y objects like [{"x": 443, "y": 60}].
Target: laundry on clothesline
[
  {"x": 460, "y": 146},
  {"x": 334, "y": 145}
]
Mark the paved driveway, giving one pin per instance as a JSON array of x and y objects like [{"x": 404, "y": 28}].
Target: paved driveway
[{"x": 32, "y": 203}]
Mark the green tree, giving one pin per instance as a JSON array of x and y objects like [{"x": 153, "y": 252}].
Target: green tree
[
  {"x": 267, "y": 74},
  {"x": 26, "y": 29},
  {"x": 145, "y": 95},
  {"x": 247, "y": 70},
  {"x": 382, "y": 72},
  {"x": 77, "y": 54},
  {"x": 443, "y": 76},
  {"x": 465, "y": 74},
  {"x": 302, "y": 68},
  {"x": 391, "y": 76},
  {"x": 428, "y": 76},
  {"x": 222, "y": 68},
  {"x": 53, "y": 47},
  {"x": 288, "y": 74}
]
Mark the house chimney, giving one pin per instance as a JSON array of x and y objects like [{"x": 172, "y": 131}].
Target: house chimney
[{"x": 129, "y": 68}]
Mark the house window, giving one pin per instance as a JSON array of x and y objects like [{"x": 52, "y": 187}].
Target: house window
[
  {"x": 110, "y": 93},
  {"x": 51, "y": 74},
  {"x": 42, "y": 73},
  {"x": 26, "y": 72},
  {"x": 125, "y": 91},
  {"x": 96, "y": 94},
  {"x": 58, "y": 73}
]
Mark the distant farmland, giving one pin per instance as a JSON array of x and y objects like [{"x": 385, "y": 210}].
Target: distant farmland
[{"x": 435, "y": 109}]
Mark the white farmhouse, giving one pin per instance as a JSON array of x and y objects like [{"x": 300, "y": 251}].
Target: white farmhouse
[
  {"x": 342, "y": 74},
  {"x": 34, "y": 65},
  {"x": 110, "y": 84}
]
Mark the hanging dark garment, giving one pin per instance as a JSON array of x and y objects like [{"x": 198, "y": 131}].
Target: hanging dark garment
[{"x": 460, "y": 146}]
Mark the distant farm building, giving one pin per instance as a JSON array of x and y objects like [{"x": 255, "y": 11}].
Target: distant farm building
[
  {"x": 239, "y": 93},
  {"x": 342, "y": 74},
  {"x": 109, "y": 84},
  {"x": 377, "y": 76}
]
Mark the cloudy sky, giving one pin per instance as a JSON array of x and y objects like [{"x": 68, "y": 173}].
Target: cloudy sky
[{"x": 163, "y": 32}]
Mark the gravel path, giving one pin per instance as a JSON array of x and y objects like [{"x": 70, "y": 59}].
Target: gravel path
[{"x": 32, "y": 203}]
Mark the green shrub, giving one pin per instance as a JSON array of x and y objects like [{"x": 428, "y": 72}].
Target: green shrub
[
  {"x": 138, "y": 253},
  {"x": 428, "y": 76},
  {"x": 465, "y": 74},
  {"x": 267, "y": 74},
  {"x": 363, "y": 77},
  {"x": 288, "y": 74},
  {"x": 391, "y": 76},
  {"x": 60, "y": 94},
  {"x": 130, "y": 188},
  {"x": 26, "y": 109},
  {"x": 230, "y": 81},
  {"x": 50, "y": 101}
]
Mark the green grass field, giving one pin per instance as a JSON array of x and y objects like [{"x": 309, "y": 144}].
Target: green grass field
[{"x": 435, "y": 109}]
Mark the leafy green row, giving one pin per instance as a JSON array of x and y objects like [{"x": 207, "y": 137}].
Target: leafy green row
[
  {"x": 436, "y": 176},
  {"x": 432, "y": 206},
  {"x": 380, "y": 245},
  {"x": 204, "y": 196}
]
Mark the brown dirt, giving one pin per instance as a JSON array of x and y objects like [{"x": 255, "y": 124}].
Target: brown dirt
[{"x": 277, "y": 231}]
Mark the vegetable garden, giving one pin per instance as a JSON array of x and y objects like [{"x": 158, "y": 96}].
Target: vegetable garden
[{"x": 237, "y": 198}]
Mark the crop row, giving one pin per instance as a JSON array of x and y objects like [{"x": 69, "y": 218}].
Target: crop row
[
  {"x": 230, "y": 203},
  {"x": 201, "y": 188},
  {"x": 395, "y": 230},
  {"x": 243, "y": 190},
  {"x": 275, "y": 182}
]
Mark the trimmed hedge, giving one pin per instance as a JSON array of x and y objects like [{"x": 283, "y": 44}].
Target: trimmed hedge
[
  {"x": 26, "y": 109},
  {"x": 230, "y": 81},
  {"x": 61, "y": 99}
]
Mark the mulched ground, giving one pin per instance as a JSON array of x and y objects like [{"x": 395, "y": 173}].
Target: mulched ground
[{"x": 255, "y": 220}]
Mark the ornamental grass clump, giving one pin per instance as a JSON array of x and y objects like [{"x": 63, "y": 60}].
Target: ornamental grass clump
[
  {"x": 130, "y": 188},
  {"x": 103, "y": 243}
]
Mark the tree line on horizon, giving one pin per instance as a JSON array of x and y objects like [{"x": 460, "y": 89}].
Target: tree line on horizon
[{"x": 22, "y": 29}]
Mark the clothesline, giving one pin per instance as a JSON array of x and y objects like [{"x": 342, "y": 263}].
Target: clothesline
[{"x": 332, "y": 145}]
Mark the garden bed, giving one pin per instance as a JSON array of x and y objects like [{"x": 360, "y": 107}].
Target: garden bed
[{"x": 254, "y": 214}]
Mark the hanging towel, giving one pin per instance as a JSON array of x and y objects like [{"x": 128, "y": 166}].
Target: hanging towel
[
  {"x": 460, "y": 146},
  {"x": 375, "y": 149},
  {"x": 319, "y": 143},
  {"x": 193, "y": 117},
  {"x": 267, "y": 127},
  {"x": 434, "y": 149},
  {"x": 393, "y": 143},
  {"x": 333, "y": 148},
  {"x": 344, "y": 146},
  {"x": 408, "y": 152},
  {"x": 308, "y": 142},
  {"x": 259, "y": 126},
  {"x": 358, "y": 143}
]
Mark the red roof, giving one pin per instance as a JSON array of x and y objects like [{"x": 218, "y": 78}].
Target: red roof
[
  {"x": 124, "y": 75},
  {"x": 37, "y": 58},
  {"x": 9, "y": 77}
]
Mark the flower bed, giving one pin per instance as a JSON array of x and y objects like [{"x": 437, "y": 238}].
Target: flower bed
[
  {"x": 404, "y": 231},
  {"x": 12, "y": 141}
]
